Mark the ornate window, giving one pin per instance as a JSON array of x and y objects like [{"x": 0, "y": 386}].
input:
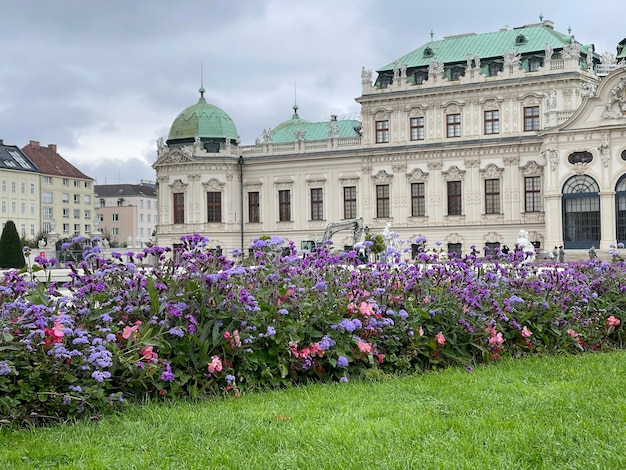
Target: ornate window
[
  {"x": 418, "y": 200},
  {"x": 580, "y": 157},
  {"x": 317, "y": 204},
  {"x": 533, "y": 64},
  {"x": 492, "y": 196},
  {"x": 382, "y": 201},
  {"x": 531, "y": 118},
  {"x": 532, "y": 194},
  {"x": 284, "y": 205},
  {"x": 581, "y": 212},
  {"x": 453, "y": 125},
  {"x": 454, "y": 197},
  {"x": 492, "y": 122},
  {"x": 349, "y": 202},
  {"x": 179, "y": 208},
  {"x": 214, "y": 206},
  {"x": 417, "y": 128},
  {"x": 254, "y": 207},
  {"x": 382, "y": 132}
]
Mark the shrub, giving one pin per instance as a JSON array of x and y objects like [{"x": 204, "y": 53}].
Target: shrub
[
  {"x": 206, "y": 325},
  {"x": 11, "y": 254}
]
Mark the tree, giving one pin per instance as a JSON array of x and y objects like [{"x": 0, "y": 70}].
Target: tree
[{"x": 11, "y": 254}]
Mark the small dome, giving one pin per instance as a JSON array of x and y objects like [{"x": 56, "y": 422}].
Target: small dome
[
  {"x": 295, "y": 120},
  {"x": 204, "y": 120}
]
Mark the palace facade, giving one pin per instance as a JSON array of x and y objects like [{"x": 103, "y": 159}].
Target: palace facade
[{"x": 465, "y": 140}]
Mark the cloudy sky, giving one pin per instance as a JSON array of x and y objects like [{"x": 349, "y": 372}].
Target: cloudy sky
[{"x": 104, "y": 79}]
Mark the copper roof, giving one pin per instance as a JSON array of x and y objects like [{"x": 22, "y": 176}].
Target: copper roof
[{"x": 50, "y": 162}]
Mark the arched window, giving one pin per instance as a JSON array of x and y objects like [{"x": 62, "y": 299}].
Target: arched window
[
  {"x": 620, "y": 208},
  {"x": 581, "y": 212}
]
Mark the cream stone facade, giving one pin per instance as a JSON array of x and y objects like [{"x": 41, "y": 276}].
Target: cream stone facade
[{"x": 457, "y": 146}]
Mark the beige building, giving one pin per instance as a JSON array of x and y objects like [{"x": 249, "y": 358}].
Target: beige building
[
  {"x": 127, "y": 213},
  {"x": 465, "y": 140},
  {"x": 19, "y": 191},
  {"x": 67, "y": 194}
]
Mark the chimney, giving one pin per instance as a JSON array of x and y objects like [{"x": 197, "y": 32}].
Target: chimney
[
  {"x": 333, "y": 117},
  {"x": 34, "y": 143},
  {"x": 53, "y": 147}
]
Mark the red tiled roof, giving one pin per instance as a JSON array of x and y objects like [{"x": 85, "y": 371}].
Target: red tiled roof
[{"x": 50, "y": 162}]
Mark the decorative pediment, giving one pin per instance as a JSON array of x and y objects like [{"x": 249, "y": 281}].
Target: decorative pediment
[
  {"x": 532, "y": 169},
  {"x": 454, "y": 238},
  {"x": 417, "y": 176},
  {"x": 178, "y": 186},
  {"x": 382, "y": 177},
  {"x": 175, "y": 156},
  {"x": 492, "y": 172},
  {"x": 381, "y": 114},
  {"x": 531, "y": 100},
  {"x": 453, "y": 106},
  {"x": 453, "y": 174},
  {"x": 213, "y": 185}
]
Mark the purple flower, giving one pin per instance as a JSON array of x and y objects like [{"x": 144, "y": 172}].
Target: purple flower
[
  {"x": 5, "y": 368},
  {"x": 343, "y": 379},
  {"x": 320, "y": 286},
  {"x": 342, "y": 361},
  {"x": 230, "y": 379},
  {"x": 167, "y": 375}
]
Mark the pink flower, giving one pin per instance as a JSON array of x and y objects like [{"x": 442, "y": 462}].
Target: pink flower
[
  {"x": 421, "y": 331},
  {"x": 364, "y": 347},
  {"x": 612, "y": 321},
  {"x": 441, "y": 339},
  {"x": 215, "y": 365},
  {"x": 366, "y": 309},
  {"x": 572, "y": 333},
  {"x": 526, "y": 333},
  {"x": 496, "y": 339},
  {"x": 57, "y": 331}
]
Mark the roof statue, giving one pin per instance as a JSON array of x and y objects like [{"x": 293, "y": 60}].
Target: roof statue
[
  {"x": 525, "y": 246},
  {"x": 549, "y": 51},
  {"x": 366, "y": 75}
]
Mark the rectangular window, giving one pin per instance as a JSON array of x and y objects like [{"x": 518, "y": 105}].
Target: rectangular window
[
  {"x": 149, "y": 205},
  {"x": 149, "y": 217},
  {"x": 46, "y": 197},
  {"x": 87, "y": 228},
  {"x": 87, "y": 199},
  {"x": 382, "y": 201},
  {"x": 284, "y": 205},
  {"x": 4, "y": 186},
  {"x": 349, "y": 202},
  {"x": 76, "y": 184},
  {"x": 77, "y": 213},
  {"x": 115, "y": 217},
  {"x": 4, "y": 206},
  {"x": 32, "y": 188},
  {"x": 453, "y": 125},
  {"x": 23, "y": 187},
  {"x": 65, "y": 198},
  {"x": 66, "y": 213},
  {"x": 454, "y": 198},
  {"x": 140, "y": 203},
  {"x": 87, "y": 184},
  {"x": 100, "y": 217},
  {"x": 32, "y": 230},
  {"x": 47, "y": 213},
  {"x": 214, "y": 206},
  {"x": 254, "y": 212},
  {"x": 115, "y": 231},
  {"x": 317, "y": 204},
  {"x": 13, "y": 187},
  {"x": 102, "y": 202},
  {"x": 532, "y": 194},
  {"x": 531, "y": 118},
  {"x": 66, "y": 228},
  {"x": 382, "y": 132},
  {"x": 87, "y": 215},
  {"x": 66, "y": 182},
  {"x": 23, "y": 208},
  {"x": 32, "y": 208},
  {"x": 23, "y": 230},
  {"x": 417, "y": 128},
  {"x": 418, "y": 202},
  {"x": 46, "y": 179},
  {"x": 76, "y": 198},
  {"x": 140, "y": 217},
  {"x": 492, "y": 122},
  {"x": 13, "y": 207},
  {"x": 492, "y": 196},
  {"x": 179, "y": 208}
]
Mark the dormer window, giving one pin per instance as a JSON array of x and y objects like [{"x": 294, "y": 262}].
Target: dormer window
[
  {"x": 419, "y": 77},
  {"x": 520, "y": 39},
  {"x": 456, "y": 73},
  {"x": 494, "y": 68},
  {"x": 534, "y": 64},
  {"x": 428, "y": 52}
]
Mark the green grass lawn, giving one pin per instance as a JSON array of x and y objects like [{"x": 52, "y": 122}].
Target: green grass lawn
[{"x": 558, "y": 412}]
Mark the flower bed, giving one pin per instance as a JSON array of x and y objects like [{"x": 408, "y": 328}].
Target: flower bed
[{"x": 206, "y": 325}]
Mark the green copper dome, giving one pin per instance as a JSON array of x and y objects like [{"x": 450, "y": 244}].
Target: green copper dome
[{"x": 204, "y": 120}]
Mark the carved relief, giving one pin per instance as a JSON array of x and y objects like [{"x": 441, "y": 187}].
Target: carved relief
[
  {"x": 213, "y": 185},
  {"x": 178, "y": 186},
  {"x": 417, "y": 176},
  {"x": 491, "y": 172},
  {"x": 532, "y": 169},
  {"x": 616, "y": 103},
  {"x": 588, "y": 89},
  {"x": 382, "y": 177},
  {"x": 572, "y": 50},
  {"x": 453, "y": 174},
  {"x": 435, "y": 69},
  {"x": 512, "y": 60}
]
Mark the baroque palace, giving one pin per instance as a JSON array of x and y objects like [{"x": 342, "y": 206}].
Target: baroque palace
[{"x": 465, "y": 141}]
